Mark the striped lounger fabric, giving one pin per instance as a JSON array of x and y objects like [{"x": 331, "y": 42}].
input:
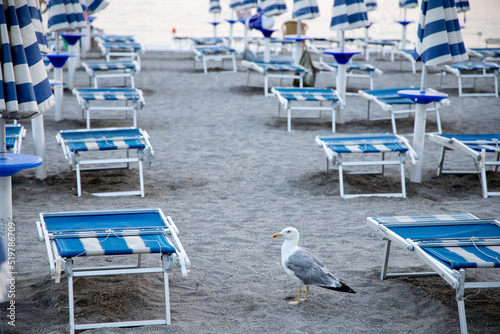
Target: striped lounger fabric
[
  {"x": 75, "y": 142},
  {"x": 389, "y": 100},
  {"x": 472, "y": 70},
  {"x": 132, "y": 98},
  {"x": 214, "y": 53},
  {"x": 336, "y": 149},
  {"x": 449, "y": 244},
  {"x": 275, "y": 70},
  {"x": 14, "y": 135},
  {"x": 71, "y": 235},
  {"x": 125, "y": 50},
  {"x": 117, "y": 38},
  {"x": 111, "y": 69},
  {"x": 484, "y": 149},
  {"x": 289, "y": 96},
  {"x": 354, "y": 70}
]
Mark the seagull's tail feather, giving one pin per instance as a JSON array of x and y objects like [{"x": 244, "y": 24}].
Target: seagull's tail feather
[{"x": 341, "y": 288}]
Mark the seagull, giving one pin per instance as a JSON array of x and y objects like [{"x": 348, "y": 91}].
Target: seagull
[{"x": 304, "y": 267}]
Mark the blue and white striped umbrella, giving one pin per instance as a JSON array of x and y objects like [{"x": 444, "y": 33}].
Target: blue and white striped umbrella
[
  {"x": 36, "y": 20},
  {"x": 305, "y": 9},
  {"x": 271, "y": 7},
  {"x": 94, "y": 6},
  {"x": 462, "y": 6},
  {"x": 408, "y": 3},
  {"x": 26, "y": 91},
  {"x": 214, "y": 7},
  {"x": 439, "y": 41},
  {"x": 248, "y": 4},
  {"x": 65, "y": 15},
  {"x": 371, "y": 5},
  {"x": 348, "y": 14},
  {"x": 236, "y": 4}
]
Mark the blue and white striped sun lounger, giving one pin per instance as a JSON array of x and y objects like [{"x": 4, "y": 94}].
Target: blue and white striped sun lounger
[
  {"x": 111, "y": 69},
  {"x": 287, "y": 96},
  {"x": 122, "y": 50},
  {"x": 116, "y": 38},
  {"x": 14, "y": 135},
  {"x": 208, "y": 41},
  {"x": 214, "y": 53},
  {"x": 378, "y": 46},
  {"x": 132, "y": 98},
  {"x": 275, "y": 70},
  {"x": 449, "y": 244},
  {"x": 486, "y": 54},
  {"x": 75, "y": 143},
  {"x": 336, "y": 149},
  {"x": 484, "y": 149},
  {"x": 408, "y": 55},
  {"x": 353, "y": 70},
  {"x": 142, "y": 232},
  {"x": 472, "y": 70},
  {"x": 388, "y": 99}
]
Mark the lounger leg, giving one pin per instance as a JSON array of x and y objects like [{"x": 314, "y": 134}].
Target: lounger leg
[
  {"x": 334, "y": 112},
  {"x": 393, "y": 122},
  {"x": 460, "y": 302},
  {"x": 441, "y": 162},
  {"x": 204, "y": 65},
  {"x": 459, "y": 86},
  {"x": 289, "y": 121},
  {"x": 341, "y": 181},
  {"x": 484, "y": 183},
  {"x": 234, "y": 64},
  {"x": 266, "y": 86},
  {"x": 383, "y": 274},
  {"x": 78, "y": 180},
  {"x": 141, "y": 178},
  {"x": 248, "y": 77},
  {"x": 71, "y": 298},
  {"x": 403, "y": 183},
  {"x": 166, "y": 264}
]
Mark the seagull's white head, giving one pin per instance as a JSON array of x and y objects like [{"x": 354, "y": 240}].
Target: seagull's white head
[{"x": 289, "y": 233}]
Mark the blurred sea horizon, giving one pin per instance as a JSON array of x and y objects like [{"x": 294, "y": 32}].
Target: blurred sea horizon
[{"x": 153, "y": 22}]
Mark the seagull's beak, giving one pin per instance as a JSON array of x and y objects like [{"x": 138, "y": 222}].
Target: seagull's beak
[{"x": 275, "y": 235}]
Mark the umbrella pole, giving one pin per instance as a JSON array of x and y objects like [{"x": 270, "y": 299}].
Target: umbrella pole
[
  {"x": 267, "y": 49},
  {"x": 3, "y": 140},
  {"x": 419, "y": 132},
  {"x": 298, "y": 44},
  {"x": 58, "y": 93},
  {"x": 37, "y": 129},
  {"x": 5, "y": 187}
]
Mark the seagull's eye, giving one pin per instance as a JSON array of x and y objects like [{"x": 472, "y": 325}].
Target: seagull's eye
[{"x": 288, "y": 231}]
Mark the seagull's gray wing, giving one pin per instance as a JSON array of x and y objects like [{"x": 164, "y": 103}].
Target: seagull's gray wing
[{"x": 310, "y": 270}]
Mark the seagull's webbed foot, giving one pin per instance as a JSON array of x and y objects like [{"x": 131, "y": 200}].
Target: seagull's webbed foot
[{"x": 299, "y": 300}]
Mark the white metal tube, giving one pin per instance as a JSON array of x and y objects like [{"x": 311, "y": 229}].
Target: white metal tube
[
  {"x": 58, "y": 94},
  {"x": 39, "y": 146}
]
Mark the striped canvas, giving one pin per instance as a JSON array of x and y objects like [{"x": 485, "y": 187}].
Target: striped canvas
[
  {"x": 475, "y": 65},
  {"x": 26, "y": 91},
  {"x": 477, "y": 142},
  {"x": 306, "y": 94},
  {"x": 364, "y": 144},
  {"x": 214, "y": 6},
  {"x": 408, "y": 3},
  {"x": 65, "y": 15},
  {"x": 348, "y": 14},
  {"x": 371, "y": 5},
  {"x": 247, "y": 4},
  {"x": 36, "y": 19},
  {"x": 272, "y": 7},
  {"x": 280, "y": 67},
  {"x": 108, "y": 93},
  {"x": 462, "y": 6},
  {"x": 109, "y": 65},
  {"x": 103, "y": 139},
  {"x": 439, "y": 39},
  {"x": 305, "y": 9},
  {"x": 94, "y": 6},
  {"x": 236, "y": 4}
]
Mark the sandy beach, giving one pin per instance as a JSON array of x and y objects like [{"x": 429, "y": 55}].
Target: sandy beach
[{"x": 230, "y": 175}]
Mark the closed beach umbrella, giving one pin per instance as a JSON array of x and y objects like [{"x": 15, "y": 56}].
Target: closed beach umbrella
[
  {"x": 371, "y": 5},
  {"x": 36, "y": 20},
  {"x": 346, "y": 15},
  {"x": 462, "y": 7},
  {"x": 248, "y": 4},
  {"x": 65, "y": 15},
  {"x": 303, "y": 10},
  {"x": 25, "y": 91},
  {"x": 269, "y": 8},
  {"x": 215, "y": 9},
  {"x": 439, "y": 42},
  {"x": 405, "y": 4},
  {"x": 94, "y": 6}
]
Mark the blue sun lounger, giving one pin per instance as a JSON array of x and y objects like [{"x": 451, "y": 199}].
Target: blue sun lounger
[
  {"x": 449, "y": 244},
  {"x": 353, "y": 70},
  {"x": 220, "y": 53},
  {"x": 129, "y": 99},
  {"x": 484, "y": 149},
  {"x": 14, "y": 135},
  {"x": 111, "y": 69},
  {"x": 275, "y": 70},
  {"x": 299, "y": 96},
  {"x": 122, "y": 50},
  {"x": 337, "y": 148},
  {"x": 77, "y": 144},
  {"x": 69, "y": 236},
  {"x": 397, "y": 106},
  {"x": 486, "y": 54},
  {"x": 472, "y": 70},
  {"x": 116, "y": 38}
]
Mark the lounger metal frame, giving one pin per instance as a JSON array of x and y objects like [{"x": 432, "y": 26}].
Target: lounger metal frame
[
  {"x": 357, "y": 142},
  {"x": 399, "y": 113},
  {"x": 353, "y": 71},
  {"x": 480, "y": 157},
  {"x": 280, "y": 72},
  {"x": 64, "y": 266},
  {"x": 318, "y": 95},
  {"x": 14, "y": 134},
  {"x": 456, "y": 278},
  {"x": 77, "y": 162},
  {"x": 473, "y": 73},
  {"x": 214, "y": 53},
  {"x": 132, "y": 98},
  {"x": 121, "y": 50},
  {"x": 102, "y": 71}
]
